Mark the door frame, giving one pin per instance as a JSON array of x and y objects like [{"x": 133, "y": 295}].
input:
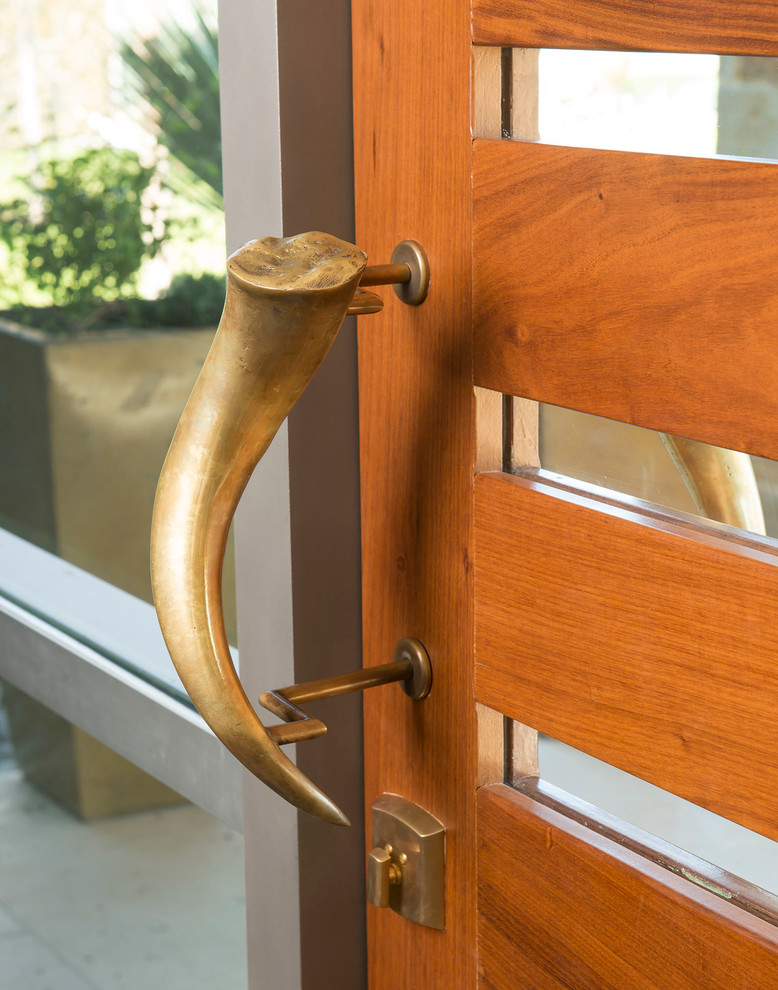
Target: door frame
[{"x": 287, "y": 155}]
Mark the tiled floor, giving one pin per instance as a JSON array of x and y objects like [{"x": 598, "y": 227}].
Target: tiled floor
[{"x": 152, "y": 900}]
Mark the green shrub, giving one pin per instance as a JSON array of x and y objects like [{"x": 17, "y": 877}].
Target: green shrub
[
  {"x": 191, "y": 301},
  {"x": 83, "y": 230}
]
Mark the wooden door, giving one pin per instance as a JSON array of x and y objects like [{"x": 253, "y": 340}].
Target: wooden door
[{"x": 636, "y": 287}]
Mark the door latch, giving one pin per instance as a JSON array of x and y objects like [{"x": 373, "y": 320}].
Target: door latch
[{"x": 406, "y": 868}]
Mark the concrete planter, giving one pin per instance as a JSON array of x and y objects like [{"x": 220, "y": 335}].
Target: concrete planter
[{"x": 85, "y": 422}]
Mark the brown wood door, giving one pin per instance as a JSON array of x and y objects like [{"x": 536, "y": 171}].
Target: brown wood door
[{"x": 637, "y": 287}]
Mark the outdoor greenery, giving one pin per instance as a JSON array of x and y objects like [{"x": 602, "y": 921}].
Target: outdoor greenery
[
  {"x": 76, "y": 239},
  {"x": 190, "y": 301},
  {"x": 176, "y": 74},
  {"x": 82, "y": 230}
]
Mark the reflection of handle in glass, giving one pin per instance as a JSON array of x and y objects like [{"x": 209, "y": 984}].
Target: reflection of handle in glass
[
  {"x": 286, "y": 300},
  {"x": 720, "y": 481}
]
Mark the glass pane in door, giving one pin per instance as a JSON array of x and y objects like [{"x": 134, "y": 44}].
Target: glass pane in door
[
  {"x": 665, "y": 103},
  {"x": 112, "y": 252},
  {"x": 693, "y": 477}
]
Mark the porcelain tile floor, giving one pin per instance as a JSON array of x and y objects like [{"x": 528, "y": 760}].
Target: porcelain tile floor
[{"x": 152, "y": 900}]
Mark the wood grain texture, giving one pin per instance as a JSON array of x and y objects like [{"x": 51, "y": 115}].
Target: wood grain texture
[
  {"x": 491, "y": 749},
  {"x": 726, "y": 27},
  {"x": 412, "y": 120},
  {"x": 522, "y": 425},
  {"x": 649, "y": 644},
  {"x": 507, "y": 428},
  {"x": 740, "y": 893},
  {"x": 524, "y": 95},
  {"x": 563, "y": 906},
  {"x": 487, "y": 93},
  {"x": 636, "y": 287},
  {"x": 489, "y": 457},
  {"x": 488, "y": 430}
]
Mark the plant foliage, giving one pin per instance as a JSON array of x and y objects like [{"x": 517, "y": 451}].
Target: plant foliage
[
  {"x": 176, "y": 73},
  {"x": 190, "y": 301},
  {"x": 84, "y": 228}
]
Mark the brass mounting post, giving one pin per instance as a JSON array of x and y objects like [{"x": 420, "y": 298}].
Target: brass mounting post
[
  {"x": 408, "y": 272},
  {"x": 411, "y": 666}
]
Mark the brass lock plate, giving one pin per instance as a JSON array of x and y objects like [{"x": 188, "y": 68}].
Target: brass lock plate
[{"x": 406, "y": 867}]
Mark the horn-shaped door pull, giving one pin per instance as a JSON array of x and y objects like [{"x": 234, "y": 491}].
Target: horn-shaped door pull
[{"x": 286, "y": 300}]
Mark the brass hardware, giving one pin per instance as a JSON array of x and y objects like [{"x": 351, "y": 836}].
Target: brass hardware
[
  {"x": 406, "y": 867},
  {"x": 382, "y": 874},
  {"x": 414, "y": 291},
  {"x": 386, "y": 274},
  {"x": 286, "y": 300},
  {"x": 411, "y": 666},
  {"x": 721, "y": 482},
  {"x": 365, "y": 303},
  {"x": 409, "y": 273}
]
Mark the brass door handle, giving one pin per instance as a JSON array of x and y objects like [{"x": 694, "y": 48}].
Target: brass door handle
[
  {"x": 721, "y": 482},
  {"x": 286, "y": 300}
]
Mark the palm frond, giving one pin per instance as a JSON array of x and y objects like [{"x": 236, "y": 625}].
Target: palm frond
[{"x": 176, "y": 73}]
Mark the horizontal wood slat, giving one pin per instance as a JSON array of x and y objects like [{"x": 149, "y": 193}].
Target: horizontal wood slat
[
  {"x": 637, "y": 287},
  {"x": 562, "y": 906},
  {"x": 726, "y": 27},
  {"x": 649, "y": 644}
]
